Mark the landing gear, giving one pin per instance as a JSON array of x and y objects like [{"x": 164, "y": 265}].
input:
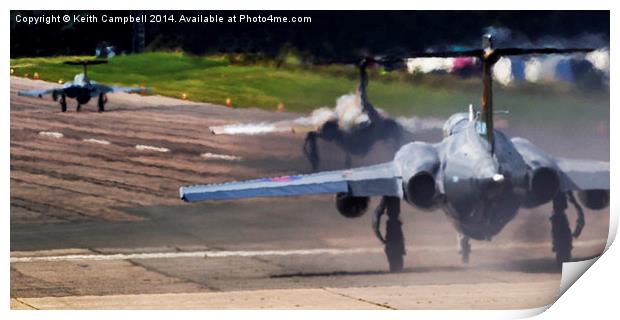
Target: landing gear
[
  {"x": 581, "y": 220},
  {"x": 347, "y": 160},
  {"x": 394, "y": 240},
  {"x": 81, "y": 99},
  {"x": 560, "y": 230},
  {"x": 311, "y": 150},
  {"x": 63, "y": 103},
  {"x": 464, "y": 247},
  {"x": 101, "y": 102}
]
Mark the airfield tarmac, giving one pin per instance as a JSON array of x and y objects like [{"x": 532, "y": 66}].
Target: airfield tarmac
[{"x": 96, "y": 222}]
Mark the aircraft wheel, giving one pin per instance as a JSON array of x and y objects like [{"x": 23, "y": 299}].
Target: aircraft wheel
[
  {"x": 101, "y": 102},
  {"x": 63, "y": 103},
  {"x": 395, "y": 259},
  {"x": 311, "y": 150},
  {"x": 562, "y": 238},
  {"x": 347, "y": 160},
  {"x": 394, "y": 245},
  {"x": 78, "y": 108}
]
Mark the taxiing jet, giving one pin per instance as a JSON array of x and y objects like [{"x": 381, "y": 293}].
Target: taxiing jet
[
  {"x": 355, "y": 129},
  {"x": 82, "y": 89}
]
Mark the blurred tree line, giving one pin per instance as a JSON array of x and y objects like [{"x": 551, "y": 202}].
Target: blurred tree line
[{"x": 330, "y": 34}]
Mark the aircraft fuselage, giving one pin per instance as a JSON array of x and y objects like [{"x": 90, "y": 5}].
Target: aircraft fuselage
[
  {"x": 483, "y": 190},
  {"x": 479, "y": 190}
]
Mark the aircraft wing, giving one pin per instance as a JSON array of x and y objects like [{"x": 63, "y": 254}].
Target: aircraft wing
[
  {"x": 36, "y": 93},
  {"x": 102, "y": 88},
  {"x": 376, "y": 180},
  {"x": 129, "y": 89},
  {"x": 584, "y": 174}
]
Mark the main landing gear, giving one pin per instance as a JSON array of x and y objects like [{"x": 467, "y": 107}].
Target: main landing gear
[
  {"x": 101, "y": 102},
  {"x": 311, "y": 150},
  {"x": 394, "y": 240},
  {"x": 562, "y": 238},
  {"x": 62, "y": 100},
  {"x": 63, "y": 103},
  {"x": 328, "y": 132}
]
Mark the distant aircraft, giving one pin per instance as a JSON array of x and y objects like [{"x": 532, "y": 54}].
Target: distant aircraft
[
  {"x": 360, "y": 139},
  {"x": 81, "y": 89},
  {"x": 476, "y": 174},
  {"x": 353, "y": 137}
]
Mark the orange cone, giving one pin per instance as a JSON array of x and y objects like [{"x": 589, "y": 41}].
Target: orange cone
[
  {"x": 184, "y": 96},
  {"x": 281, "y": 107},
  {"x": 228, "y": 102},
  {"x": 36, "y": 76}
]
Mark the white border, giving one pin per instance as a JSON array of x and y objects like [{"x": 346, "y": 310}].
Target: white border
[{"x": 594, "y": 294}]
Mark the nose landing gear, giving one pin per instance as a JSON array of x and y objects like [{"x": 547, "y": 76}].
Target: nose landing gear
[{"x": 464, "y": 246}]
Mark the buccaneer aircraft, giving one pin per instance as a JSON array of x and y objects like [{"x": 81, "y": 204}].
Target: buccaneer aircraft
[
  {"x": 355, "y": 125},
  {"x": 81, "y": 89},
  {"x": 479, "y": 177}
]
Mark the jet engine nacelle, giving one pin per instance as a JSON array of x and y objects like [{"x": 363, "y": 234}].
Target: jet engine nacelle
[
  {"x": 419, "y": 163},
  {"x": 351, "y": 206},
  {"x": 594, "y": 199},
  {"x": 543, "y": 173},
  {"x": 544, "y": 184}
]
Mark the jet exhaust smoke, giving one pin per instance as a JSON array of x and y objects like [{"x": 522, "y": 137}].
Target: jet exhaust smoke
[
  {"x": 416, "y": 124},
  {"x": 348, "y": 112},
  {"x": 247, "y": 128}
]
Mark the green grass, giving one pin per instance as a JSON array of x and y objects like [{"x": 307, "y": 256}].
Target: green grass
[{"x": 301, "y": 89}]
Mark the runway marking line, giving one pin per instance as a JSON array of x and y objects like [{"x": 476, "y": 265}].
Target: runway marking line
[
  {"x": 258, "y": 253},
  {"x": 51, "y": 134},
  {"x": 144, "y": 147},
  {"x": 228, "y": 157},
  {"x": 193, "y": 254},
  {"x": 99, "y": 141}
]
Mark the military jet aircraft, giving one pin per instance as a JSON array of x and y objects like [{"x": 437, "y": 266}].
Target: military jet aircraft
[
  {"x": 81, "y": 89},
  {"x": 356, "y": 139},
  {"x": 361, "y": 138},
  {"x": 479, "y": 177}
]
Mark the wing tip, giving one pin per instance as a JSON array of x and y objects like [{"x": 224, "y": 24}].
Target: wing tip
[{"x": 182, "y": 194}]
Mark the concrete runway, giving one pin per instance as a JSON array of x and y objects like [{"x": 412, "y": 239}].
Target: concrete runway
[{"x": 96, "y": 222}]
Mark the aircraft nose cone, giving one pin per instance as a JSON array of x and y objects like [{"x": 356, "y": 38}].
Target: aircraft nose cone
[{"x": 493, "y": 186}]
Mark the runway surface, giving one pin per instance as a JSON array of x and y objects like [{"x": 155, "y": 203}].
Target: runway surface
[{"x": 96, "y": 221}]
